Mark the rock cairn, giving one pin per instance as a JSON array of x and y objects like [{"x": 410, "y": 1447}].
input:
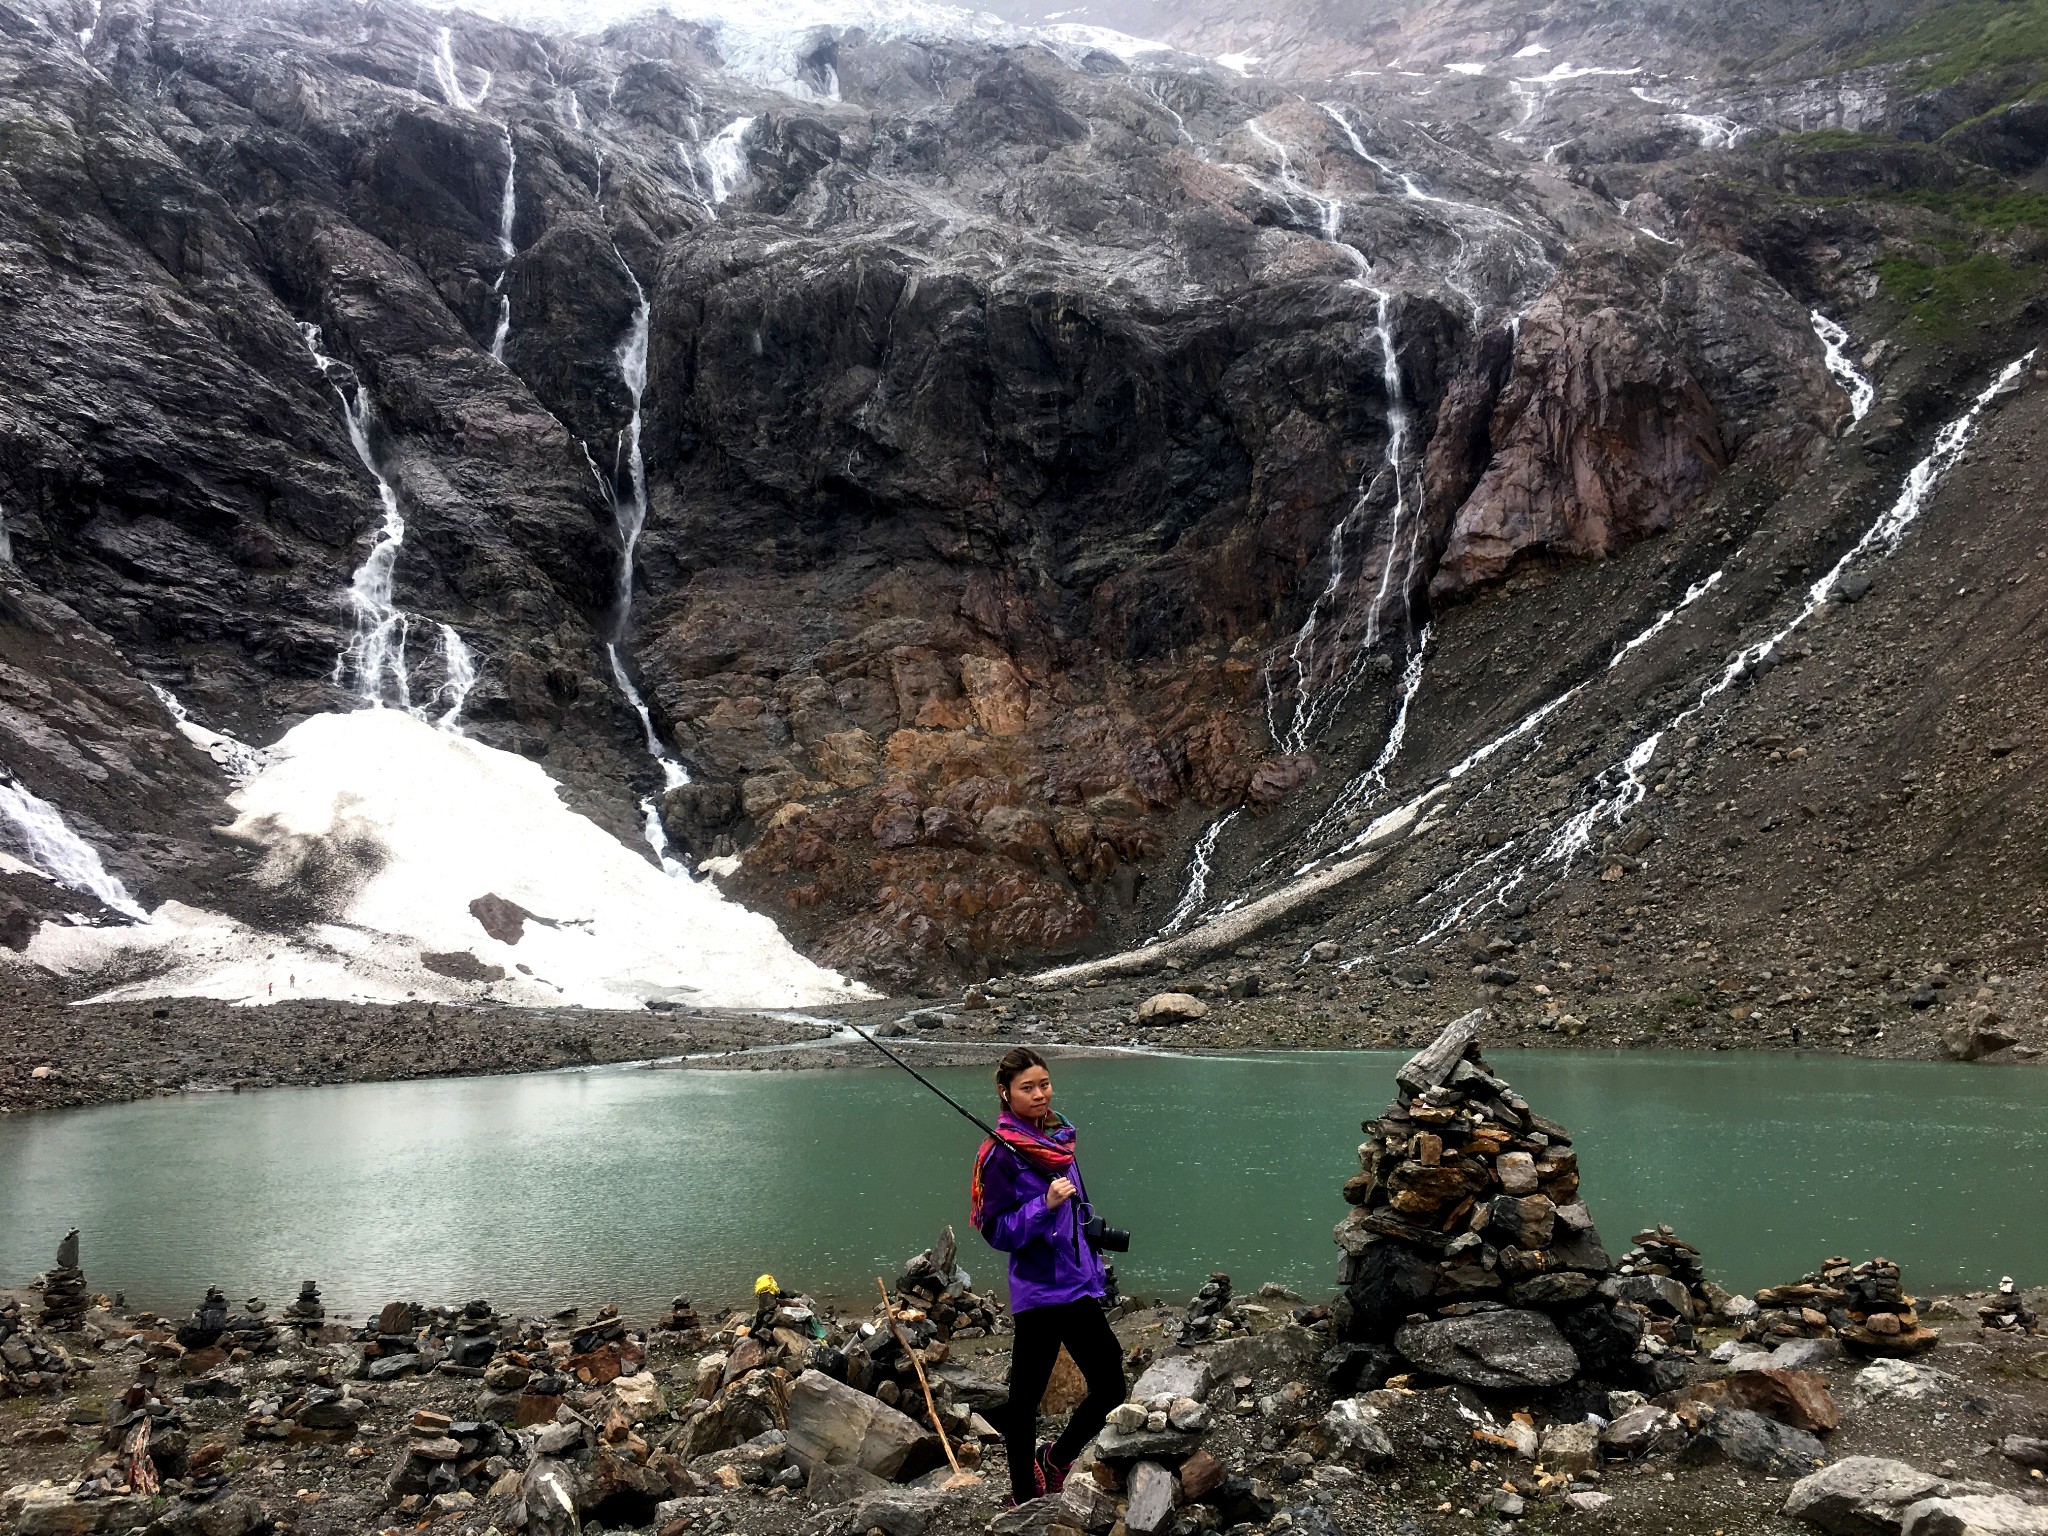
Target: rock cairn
[
  {"x": 64, "y": 1297},
  {"x": 1208, "y": 1309},
  {"x": 306, "y": 1314},
  {"x": 934, "y": 1283},
  {"x": 682, "y": 1317},
  {"x": 29, "y": 1363},
  {"x": 2007, "y": 1310},
  {"x": 1466, "y": 1209},
  {"x": 406, "y": 1339},
  {"x": 1864, "y": 1305},
  {"x": 1149, "y": 1468}
]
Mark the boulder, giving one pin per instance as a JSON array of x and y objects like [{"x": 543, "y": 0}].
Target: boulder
[
  {"x": 1899, "y": 1379},
  {"x": 1492, "y": 1350},
  {"x": 1798, "y": 1398},
  {"x": 1640, "y": 1430},
  {"x": 751, "y": 1406},
  {"x": 1974, "y": 1039},
  {"x": 1753, "y": 1441},
  {"x": 1861, "y": 1496},
  {"x": 829, "y": 1422},
  {"x": 1659, "y": 1293},
  {"x": 1171, "y": 1008},
  {"x": 2025, "y": 1451},
  {"x": 899, "y": 1511}
]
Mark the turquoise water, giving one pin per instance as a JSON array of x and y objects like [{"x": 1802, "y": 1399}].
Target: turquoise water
[{"x": 635, "y": 1185}]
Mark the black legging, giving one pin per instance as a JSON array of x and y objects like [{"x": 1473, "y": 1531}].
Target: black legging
[{"x": 1082, "y": 1327}]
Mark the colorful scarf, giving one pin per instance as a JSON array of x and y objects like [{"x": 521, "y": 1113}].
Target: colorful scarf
[{"x": 1049, "y": 1148}]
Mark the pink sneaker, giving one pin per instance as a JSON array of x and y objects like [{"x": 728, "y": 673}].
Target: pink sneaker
[{"x": 1052, "y": 1475}]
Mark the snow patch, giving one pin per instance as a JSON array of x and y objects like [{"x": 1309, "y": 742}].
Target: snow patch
[{"x": 399, "y": 827}]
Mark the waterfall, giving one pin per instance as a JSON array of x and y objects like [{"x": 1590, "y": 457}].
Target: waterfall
[
  {"x": 450, "y": 79},
  {"x": 629, "y": 510},
  {"x": 1196, "y": 889},
  {"x": 91, "y": 29},
  {"x": 240, "y": 761},
  {"x": 6, "y": 540},
  {"x": 1693, "y": 594},
  {"x": 508, "y": 211},
  {"x": 1364, "y": 791},
  {"x": 458, "y": 677},
  {"x": 1319, "y": 696},
  {"x": 1522, "y": 252},
  {"x": 58, "y": 852},
  {"x": 1621, "y": 787},
  {"x": 725, "y": 159},
  {"x": 375, "y": 655},
  {"x": 1835, "y": 340}
]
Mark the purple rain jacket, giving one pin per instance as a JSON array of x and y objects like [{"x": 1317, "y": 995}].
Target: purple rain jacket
[{"x": 1050, "y": 1261}]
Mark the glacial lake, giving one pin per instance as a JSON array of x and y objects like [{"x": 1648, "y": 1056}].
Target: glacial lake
[{"x": 635, "y": 1185}]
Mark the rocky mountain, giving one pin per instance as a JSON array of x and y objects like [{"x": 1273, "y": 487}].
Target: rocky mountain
[{"x": 984, "y": 489}]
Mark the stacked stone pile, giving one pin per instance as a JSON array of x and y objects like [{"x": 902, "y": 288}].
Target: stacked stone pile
[
  {"x": 2007, "y": 1310},
  {"x": 448, "y": 1464},
  {"x": 933, "y": 1282},
  {"x": 406, "y": 1339},
  {"x": 30, "y": 1364},
  {"x": 1149, "y": 1469},
  {"x": 1466, "y": 1210},
  {"x": 1864, "y": 1305},
  {"x": 306, "y": 1313},
  {"x": 64, "y": 1297}
]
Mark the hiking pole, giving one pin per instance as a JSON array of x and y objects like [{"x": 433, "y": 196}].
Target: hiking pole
[
  {"x": 889, "y": 1311},
  {"x": 985, "y": 1127}
]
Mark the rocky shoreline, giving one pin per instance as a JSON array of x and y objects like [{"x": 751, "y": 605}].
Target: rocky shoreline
[
  {"x": 1516, "y": 1374},
  {"x": 54, "y": 1055}
]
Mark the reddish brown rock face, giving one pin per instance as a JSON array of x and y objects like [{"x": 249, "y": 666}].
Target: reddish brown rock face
[
  {"x": 922, "y": 798},
  {"x": 1599, "y": 437}
]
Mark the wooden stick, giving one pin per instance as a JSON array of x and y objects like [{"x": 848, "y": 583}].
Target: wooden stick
[{"x": 889, "y": 1310}]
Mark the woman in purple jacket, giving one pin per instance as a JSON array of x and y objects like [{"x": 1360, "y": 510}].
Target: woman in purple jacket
[{"x": 1027, "y": 1201}]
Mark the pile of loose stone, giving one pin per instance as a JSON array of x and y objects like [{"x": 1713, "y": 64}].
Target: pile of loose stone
[
  {"x": 31, "y": 1362},
  {"x": 1468, "y": 1249},
  {"x": 1864, "y": 1305},
  {"x": 934, "y": 1283}
]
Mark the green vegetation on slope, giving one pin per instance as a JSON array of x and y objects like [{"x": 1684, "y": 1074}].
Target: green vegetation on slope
[{"x": 1960, "y": 38}]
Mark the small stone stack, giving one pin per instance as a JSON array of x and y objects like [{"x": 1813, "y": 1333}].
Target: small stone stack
[
  {"x": 306, "y": 1314},
  {"x": 933, "y": 1283},
  {"x": 208, "y": 1322},
  {"x": 1864, "y": 1305},
  {"x": 2007, "y": 1310},
  {"x": 1206, "y": 1311},
  {"x": 449, "y": 1464},
  {"x": 64, "y": 1297},
  {"x": 475, "y": 1338},
  {"x": 1151, "y": 1453},
  {"x": 682, "y": 1318},
  {"x": 251, "y": 1330},
  {"x": 29, "y": 1363},
  {"x": 1466, "y": 1209}
]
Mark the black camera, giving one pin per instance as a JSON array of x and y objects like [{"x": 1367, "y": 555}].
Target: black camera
[{"x": 1103, "y": 1237}]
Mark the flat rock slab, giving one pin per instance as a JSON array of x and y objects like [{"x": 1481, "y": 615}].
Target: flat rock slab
[
  {"x": 1174, "y": 1376},
  {"x": 831, "y": 1422},
  {"x": 1491, "y": 1350},
  {"x": 1152, "y": 1497}
]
